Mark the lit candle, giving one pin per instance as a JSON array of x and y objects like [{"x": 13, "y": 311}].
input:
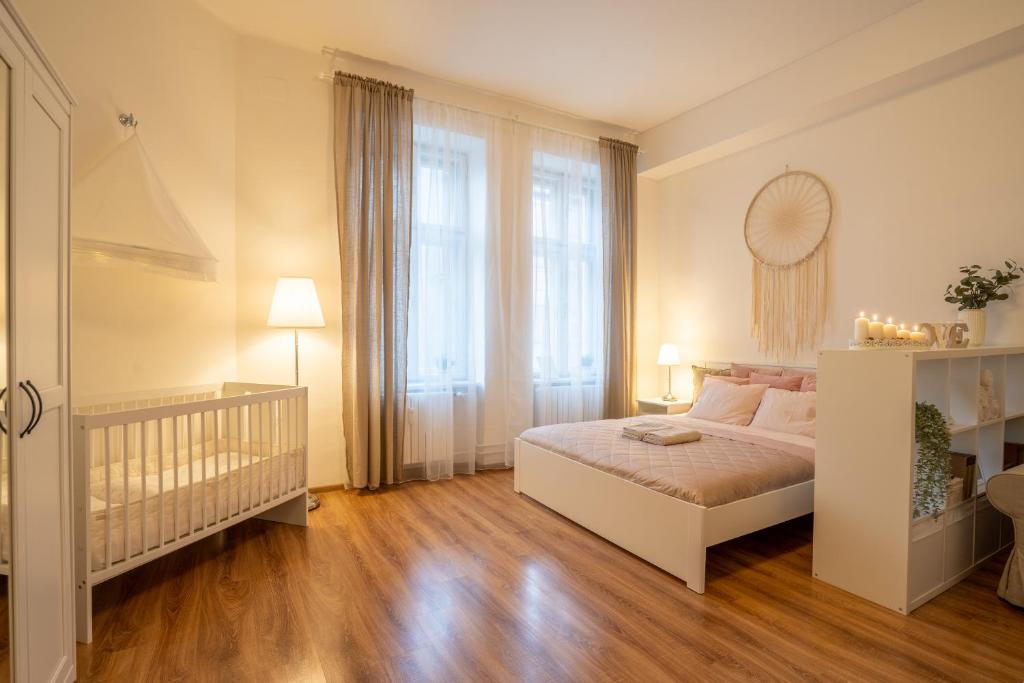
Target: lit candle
[
  {"x": 903, "y": 332},
  {"x": 860, "y": 328},
  {"x": 889, "y": 330},
  {"x": 917, "y": 335},
  {"x": 875, "y": 328}
]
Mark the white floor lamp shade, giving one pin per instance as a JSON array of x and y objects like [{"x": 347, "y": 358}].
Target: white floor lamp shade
[{"x": 295, "y": 305}]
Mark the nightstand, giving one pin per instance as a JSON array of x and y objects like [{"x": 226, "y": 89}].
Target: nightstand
[{"x": 656, "y": 406}]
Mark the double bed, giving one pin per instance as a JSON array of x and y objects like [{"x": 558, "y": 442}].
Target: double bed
[{"x": 668, "y": 504}]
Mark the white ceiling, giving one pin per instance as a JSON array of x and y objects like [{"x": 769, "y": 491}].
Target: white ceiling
[{"x": 634, "y": 63}]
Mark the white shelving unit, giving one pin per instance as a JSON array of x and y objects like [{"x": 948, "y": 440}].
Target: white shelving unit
[{"x": 865, "y": 538}]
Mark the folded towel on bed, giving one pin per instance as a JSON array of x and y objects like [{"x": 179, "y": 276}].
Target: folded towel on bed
[
  {"x": 638, "y": 430},
  {"x": 659, "y": 433},
  {"x": 669, "y": 436}
]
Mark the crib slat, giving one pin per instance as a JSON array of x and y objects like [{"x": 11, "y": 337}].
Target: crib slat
[
  {"x": 174, "y": 460},
  {"x": 143, "y": 456},
  {"x": 216, "y": 463},
  {"x": 227, "y": 449},
  {"x": 202, "y": 453},
  {"x": 260, "y": 411},
  {"x": 127, "y": 530},
  {"x": 248, "y": 428},
  {"x": 191, "y": 515},
  {"x": 292, "y": 425},
  {"x": 280, "y": 448},
  {"x": 160, "y": 480},
  {"x": 106, "y": 466}
]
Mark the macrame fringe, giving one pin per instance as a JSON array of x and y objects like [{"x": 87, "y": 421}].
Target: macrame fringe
[{"x": 790, "y": 305}]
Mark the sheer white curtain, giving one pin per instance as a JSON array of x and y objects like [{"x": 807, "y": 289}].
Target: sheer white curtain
[
  {"x": 505, "y": 325},
  {"x": 467, "y": 301},
  {"x": 568, "y": 320}
]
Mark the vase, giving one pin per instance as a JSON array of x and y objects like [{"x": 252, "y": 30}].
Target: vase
[{"x": 976, "y": 319}]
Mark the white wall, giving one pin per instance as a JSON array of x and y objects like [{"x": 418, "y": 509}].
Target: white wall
[
  {"x": 173, "y": 65},
  {"x": 923, "y": 182}
]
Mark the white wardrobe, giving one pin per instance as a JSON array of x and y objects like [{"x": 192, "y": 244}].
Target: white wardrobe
[{"x": 35, "y": 118}]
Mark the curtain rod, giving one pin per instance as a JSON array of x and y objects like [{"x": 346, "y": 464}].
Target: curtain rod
[{"x": 330, "y": 77}]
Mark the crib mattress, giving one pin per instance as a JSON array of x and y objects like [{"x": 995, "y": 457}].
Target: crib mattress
[{"x": 216, "y": 495}]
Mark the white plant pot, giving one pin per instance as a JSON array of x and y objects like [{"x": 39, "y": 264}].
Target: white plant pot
[{"x": 977, "y": 320}]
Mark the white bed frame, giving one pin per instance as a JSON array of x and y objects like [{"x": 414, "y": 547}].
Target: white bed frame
[
  {"x": 668, "y": 532},
  {"x": 186, "y": 415}
]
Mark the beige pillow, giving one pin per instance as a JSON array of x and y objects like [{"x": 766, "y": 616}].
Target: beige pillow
[
  {"x": 728, "y": 403},
  {"x": 793, "y": 412},
  {"x": 700, "y": 373}
]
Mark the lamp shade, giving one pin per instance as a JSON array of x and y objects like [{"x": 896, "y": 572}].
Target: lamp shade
[
  {"x": 668, "y": 355},
  {"x": 295, "y": 304}
]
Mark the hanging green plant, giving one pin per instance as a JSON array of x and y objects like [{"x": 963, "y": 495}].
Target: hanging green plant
[{"x": 931, "y": 474}]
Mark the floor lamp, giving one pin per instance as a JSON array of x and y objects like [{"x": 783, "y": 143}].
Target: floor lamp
[{"x": 296, "y": 305}]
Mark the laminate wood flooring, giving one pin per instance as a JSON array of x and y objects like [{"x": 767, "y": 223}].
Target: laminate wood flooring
[{"x": 466, "y": 581}]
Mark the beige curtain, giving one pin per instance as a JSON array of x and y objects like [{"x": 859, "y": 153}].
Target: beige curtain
[
  {"x": 373, "y": 172},
  {"x": 618, "y": 197}
]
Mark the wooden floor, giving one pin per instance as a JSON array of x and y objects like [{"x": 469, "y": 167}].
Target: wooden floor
[{"x": 466, "y": 581}]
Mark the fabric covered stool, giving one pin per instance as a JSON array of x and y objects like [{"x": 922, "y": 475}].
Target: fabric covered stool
[{"x": 1006, "y": 493}]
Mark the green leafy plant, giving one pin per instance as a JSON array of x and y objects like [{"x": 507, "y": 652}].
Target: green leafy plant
[
  {"x": 931, "y": 474},
  {"x": 975, "y": 291}
]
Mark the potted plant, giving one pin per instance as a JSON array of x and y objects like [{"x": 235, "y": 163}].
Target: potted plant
[
  {"x": 932, "y": 469},
  {"x": 974, "y": 292}
]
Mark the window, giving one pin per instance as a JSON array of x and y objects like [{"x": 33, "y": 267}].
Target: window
[
  {"x": 442, "y": 259},
  {"x": 567, "y": 269}
]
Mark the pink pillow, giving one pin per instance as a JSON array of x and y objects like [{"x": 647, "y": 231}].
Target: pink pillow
[
  {"x": 745, "y": 370},
  {"x": 727, "y": 378},
  {"x": 788, "y": 383},
  {"x": 790, "y": 372},
  {"x": 728, "y": 403},
  {"x": 810, "y": 383}
]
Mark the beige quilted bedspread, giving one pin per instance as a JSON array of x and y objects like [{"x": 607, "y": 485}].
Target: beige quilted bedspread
[{"x": 727, "y": 464}]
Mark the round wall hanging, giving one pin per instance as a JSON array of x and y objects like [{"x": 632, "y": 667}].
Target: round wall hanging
[{"x": 786, "y": 231}]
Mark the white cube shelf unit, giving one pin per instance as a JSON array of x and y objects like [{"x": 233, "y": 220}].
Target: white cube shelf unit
[{"x": 866, "y": 540}]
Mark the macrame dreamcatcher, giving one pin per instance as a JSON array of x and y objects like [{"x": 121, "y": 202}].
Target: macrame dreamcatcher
[{"x": 786, "y": 230}]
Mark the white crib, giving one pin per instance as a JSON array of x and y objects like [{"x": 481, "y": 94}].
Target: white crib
[{"x": 156, "y": 471}]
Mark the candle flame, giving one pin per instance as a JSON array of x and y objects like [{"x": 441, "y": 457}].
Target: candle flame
[
  {"x": 862, "y": 314},
  {"x": 874, "y": 317},
  {"x": 903, "y": 326},
  {"x": 889, "y": 320},
  {"x": 915, "y": 328}
]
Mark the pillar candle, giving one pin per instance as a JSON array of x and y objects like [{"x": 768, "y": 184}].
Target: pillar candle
[
  {"x": 875, "y": 328},
  {"x": 860, "y": 328},
  {"x": 903, "y": 332},
  {"x": 918, "y": 336},
  {"x": 889, "y": 330}
]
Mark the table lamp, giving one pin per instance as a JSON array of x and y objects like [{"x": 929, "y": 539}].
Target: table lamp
[
  {"x": 668, "y": 355},
  {"x": 295, "y": 305}
]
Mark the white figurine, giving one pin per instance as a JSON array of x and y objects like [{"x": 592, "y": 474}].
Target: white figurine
[{"x": 988, "y": 404}]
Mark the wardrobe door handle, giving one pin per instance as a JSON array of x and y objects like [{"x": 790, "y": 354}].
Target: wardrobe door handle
[
  {"x": 3, "y": 427},
  {"x": 39, "y": 397},
  {"x": 32, "y": 419}
]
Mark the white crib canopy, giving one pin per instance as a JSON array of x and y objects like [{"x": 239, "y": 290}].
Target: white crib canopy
[{"x": 124, "y": 211}]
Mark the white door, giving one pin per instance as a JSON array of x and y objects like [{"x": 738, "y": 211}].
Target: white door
[{"x": 43, "y": 580}]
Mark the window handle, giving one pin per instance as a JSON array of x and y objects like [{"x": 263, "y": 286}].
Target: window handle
[
  {"x": 32, "y": 419},
  {"x": 3, "y": 427}
]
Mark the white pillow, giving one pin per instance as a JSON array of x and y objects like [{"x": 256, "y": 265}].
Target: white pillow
[
  {"x": 792, "y": 412},
  {"x": 731, "y": 404}
]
